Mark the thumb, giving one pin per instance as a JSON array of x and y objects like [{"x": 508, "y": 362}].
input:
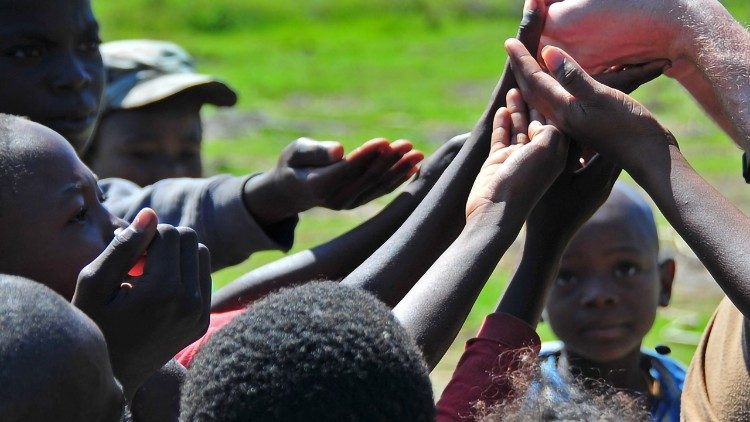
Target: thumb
[
  {"x": 108, "y": 270},
  {"x": 307, "y": 152},
  {"x": 568, "y": 73},
  {"x": 630, "y": 78}
]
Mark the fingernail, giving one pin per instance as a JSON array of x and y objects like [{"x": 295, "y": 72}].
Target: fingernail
[
  {"x": 143, "y": 220},
  {"x": 553, "y": 58}
]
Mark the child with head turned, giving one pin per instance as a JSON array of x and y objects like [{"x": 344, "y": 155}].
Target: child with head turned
[{"x": 604, "y": 301}]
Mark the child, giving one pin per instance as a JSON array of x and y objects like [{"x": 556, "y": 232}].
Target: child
[
  {"x": 50, "y": 50},
  {"x": 55, "y": 362},
  {"x": 150, "y": 128},
  {"x": 55, "y": 230},
  {"x": 316, "y": 352},
  {"x": 604, "y": 302},
  {"x": 616, "y": 125}
]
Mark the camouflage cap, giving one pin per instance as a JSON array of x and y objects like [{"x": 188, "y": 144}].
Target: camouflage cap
[{"x": 142, "y": 72}]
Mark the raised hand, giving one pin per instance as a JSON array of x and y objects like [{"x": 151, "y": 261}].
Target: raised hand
[
  {"x": 147, "y": 319},
  {"x": 525, "y": 158},
  {"x": 598, "y": 117},
  {"x": 311, "y": 174}
]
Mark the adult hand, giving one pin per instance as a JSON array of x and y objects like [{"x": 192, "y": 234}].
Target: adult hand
[
  {"x": 605, "y": 33},
  {"x": 598, "y": 117},
  {"x": 147, "y": 319},
  {"x": 311, "y": 174},
  {"x": 524, "y": 159}
]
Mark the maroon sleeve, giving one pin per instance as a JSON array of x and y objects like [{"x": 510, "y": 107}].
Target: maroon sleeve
[
  {"x": 498, "y": 349},
  {"x": 218, "y": 321}
]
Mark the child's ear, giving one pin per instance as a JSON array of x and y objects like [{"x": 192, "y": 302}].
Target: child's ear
[{"x": 667, "y": 269}]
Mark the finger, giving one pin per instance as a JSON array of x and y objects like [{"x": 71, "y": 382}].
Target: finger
[
  {"x": 371, "y": 148},
  {"x": 568, "y": 73},
  {"x": 189, "y": 266},
  {"x": 535, "y": 115},
  {"x": 534, "y": 128},
  {"x": 360, "y": 189},
  {"x": 401, "y": 146},
  {"x": 111, "y": 266},
  {"x": 204, "y": 271},
  {"x": 541, "y": 90},
  {"x": 518, "y": 116},
  {"x": 532, "y": 24},
  {"x": 405, "y": 168},
  {"x": 630, "y": 78},
  {"x": 501, "y": 129},
  {"x": 163, "y": 262},
  {"x": 307, "y": 152}
]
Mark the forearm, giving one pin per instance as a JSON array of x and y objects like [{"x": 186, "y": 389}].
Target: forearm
[
  {"x": 526, "y": 294},
  {"x": 396, "y": 266},
  {"x": 436, "y": 308},
  {"x": 711, "y": 225},
  {"x": 332, "y": 260},
  {"x": 717, "y": 50}
]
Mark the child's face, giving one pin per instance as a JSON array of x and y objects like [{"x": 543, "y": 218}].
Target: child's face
[
  {"x": 54, "y": 223},
  {"x": 50, "y": 65},
  {"x": 609, "y": 286},
  {"x": 150, "y": 144}
]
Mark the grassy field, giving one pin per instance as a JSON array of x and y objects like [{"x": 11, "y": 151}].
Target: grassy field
[{"x": 351, "y": 70}]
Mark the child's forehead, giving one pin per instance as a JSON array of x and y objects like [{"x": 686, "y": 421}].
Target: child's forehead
[{"x": 45, "y": 17}]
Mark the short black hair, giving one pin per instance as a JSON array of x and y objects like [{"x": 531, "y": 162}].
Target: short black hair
[
  {"x": 316, "y": 352},
  {"x": 12, "y": 169}
]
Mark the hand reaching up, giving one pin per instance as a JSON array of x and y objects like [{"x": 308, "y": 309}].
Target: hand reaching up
[
  {"x": 524, "y": 159},
  {"x": 598, "y": 117},
  {"x": 147, "y": 319}
]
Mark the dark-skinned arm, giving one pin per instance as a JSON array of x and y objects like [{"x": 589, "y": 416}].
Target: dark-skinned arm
[
  {"x": 337, "y": 258},
  {"x": 397, "y": 265},
  {"x": 626, "y": 131},
  {"x": 517, "y": 172}
]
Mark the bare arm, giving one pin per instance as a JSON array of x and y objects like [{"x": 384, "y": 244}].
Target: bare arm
[
  {"x": 513, "y": 178},
  {"x": 397, "y": 265},
  {"x": 708, "y": 48},
  {"x": 335, "y": 259},
  {"x": 709, "y": 223}
]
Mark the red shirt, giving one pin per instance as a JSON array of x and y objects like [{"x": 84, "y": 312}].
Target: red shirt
[
  {"x": 218, "y": 321},
  {"x": 500, "y": 347}
]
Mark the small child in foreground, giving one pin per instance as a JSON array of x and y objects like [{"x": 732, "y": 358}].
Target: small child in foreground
[
  {"x": 604, "y": 302},
  {"x": 55, "y": 364}
]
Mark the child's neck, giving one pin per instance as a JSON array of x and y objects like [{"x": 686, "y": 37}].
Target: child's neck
[{"x": 626, "y": 373}]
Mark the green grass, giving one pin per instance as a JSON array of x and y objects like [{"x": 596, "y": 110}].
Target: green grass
[{"x": 352, "y": 70}]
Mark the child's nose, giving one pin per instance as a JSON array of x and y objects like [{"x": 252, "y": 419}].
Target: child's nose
[{"x": 597, "y": 293}]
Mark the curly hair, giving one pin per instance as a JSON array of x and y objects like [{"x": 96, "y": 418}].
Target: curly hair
[
  {"x": 535, "y": 397},
  {"x": 316, "y": 352}
]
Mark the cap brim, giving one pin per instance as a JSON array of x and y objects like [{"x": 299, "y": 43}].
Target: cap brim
[{"x": 209, "y": 90}]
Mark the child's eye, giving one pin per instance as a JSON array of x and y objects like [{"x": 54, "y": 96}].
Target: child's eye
[
  {"x": 626, "y": 269},
  {"x": 25, "y": 52},
  {"x": 565, "y": 279},
  {"x": 80, "y": 216}
]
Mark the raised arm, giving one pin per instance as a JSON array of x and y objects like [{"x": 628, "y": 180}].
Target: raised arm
[
  {"x": 708, "y": 48},
  {"x": 624, "y": 130},
  {"x": 335, "y": 259},
  {"x": 397, "y": 265},
  {"x": 523, "y": 162}
]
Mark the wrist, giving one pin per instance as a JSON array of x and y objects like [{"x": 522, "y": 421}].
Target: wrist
[
  {"x": 698, "y": 22},
  {"x": 265, "y": 201}
]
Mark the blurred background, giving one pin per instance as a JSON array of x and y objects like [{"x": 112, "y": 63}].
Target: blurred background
[{"x": 352, "y": 70}]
